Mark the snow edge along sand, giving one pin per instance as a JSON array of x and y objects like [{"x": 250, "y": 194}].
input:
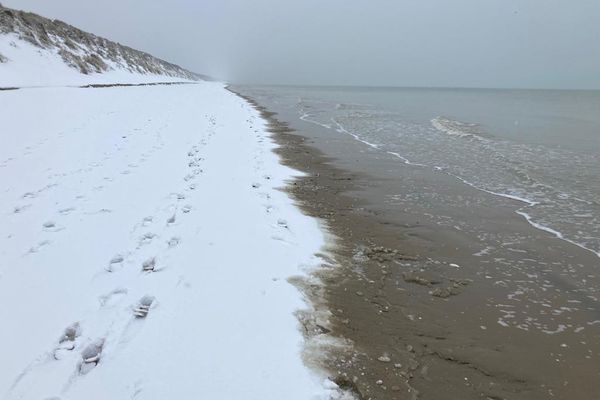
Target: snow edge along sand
[
  {"x": 320, "y": 347},
  {"x": 313, "y": 318}
]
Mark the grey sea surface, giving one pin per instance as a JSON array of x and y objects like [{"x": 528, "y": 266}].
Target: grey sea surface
[{"x": 541, "y": 147}]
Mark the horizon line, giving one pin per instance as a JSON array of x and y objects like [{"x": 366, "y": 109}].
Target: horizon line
[{"x": 412, "y": 87}]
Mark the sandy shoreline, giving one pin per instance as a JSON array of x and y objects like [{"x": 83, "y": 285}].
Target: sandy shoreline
[{"x": 426, "y": 310}]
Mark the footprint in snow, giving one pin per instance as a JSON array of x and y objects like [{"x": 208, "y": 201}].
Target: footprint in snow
[
  {"x": 112, "y": 298},
  {"x": 100, "y": 211},
  {"x": 49, "y": 225},
  {"x": 174, "y": 242},
  {"x": 66, "y": 211},
  {"x": 137, "y": 390},
  {"x": 171, "y": 219},
  {"x": 149, "y": 265},
  {"x": 70, "y": 333},
  {"x": 147, "y": 238},
  {"x": 281, "y": 239},
  {"x": 178, "y": 196},
  {"x": 186, "y": 209},
  {"x": 115, "y": 263},
  {"x": 39, "y": 246},
  {"x": 66, "y": 343},
  {"x": 147, "y": 221},
  {"x": 90, "y": 356},
  {"x": 143, "y": 307},
  {"x": 20, "y": 209}
]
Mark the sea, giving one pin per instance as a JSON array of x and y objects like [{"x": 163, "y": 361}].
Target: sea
[{"x": 539, "y": 147}]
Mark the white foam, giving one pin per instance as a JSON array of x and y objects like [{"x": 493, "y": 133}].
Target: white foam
[
  {"x": 528, "y": 218},
  {"x": 554, "y": 232},
  {"x": 341, "y": 129},
  {"x": 305, "y": 117},
  {"x": 455, "y": 128},
  {"x": 444, "y": 124}
]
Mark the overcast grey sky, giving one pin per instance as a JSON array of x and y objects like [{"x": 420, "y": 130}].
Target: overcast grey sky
[{"x": 474, "y": 43}]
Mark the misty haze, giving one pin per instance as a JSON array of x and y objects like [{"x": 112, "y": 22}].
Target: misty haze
[{"x": 300, "y": 200}]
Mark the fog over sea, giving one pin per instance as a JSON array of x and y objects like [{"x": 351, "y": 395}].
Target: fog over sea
[{"x": 541, "y": 147}]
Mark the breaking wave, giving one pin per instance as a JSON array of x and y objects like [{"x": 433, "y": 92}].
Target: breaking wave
[{"x": 457, "y": 128}]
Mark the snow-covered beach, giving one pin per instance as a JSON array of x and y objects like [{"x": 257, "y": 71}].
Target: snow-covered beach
[
  {"x": 97, "y": 182},
  {"x": 145, "y": 241}
]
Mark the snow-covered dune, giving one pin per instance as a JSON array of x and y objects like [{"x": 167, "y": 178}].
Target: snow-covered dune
[
  {"x": 29, "y": 66},
  {"x": 37, "y": 51},
  {"x": 145, "y": 249}
]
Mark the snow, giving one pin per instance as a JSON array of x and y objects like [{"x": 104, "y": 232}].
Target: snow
[
  {"x": 31, "y": 66},
  {"x": 142, "y": 230}
]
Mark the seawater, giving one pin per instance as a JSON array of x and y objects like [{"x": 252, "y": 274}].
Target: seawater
[{"x": 540, "y": 147}]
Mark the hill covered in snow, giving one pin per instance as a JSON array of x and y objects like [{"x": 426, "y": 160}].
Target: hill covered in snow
[{"x": 37, "y": 51}]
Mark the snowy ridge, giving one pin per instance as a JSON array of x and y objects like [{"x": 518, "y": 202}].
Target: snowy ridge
[{"x": 36, "y": 51}]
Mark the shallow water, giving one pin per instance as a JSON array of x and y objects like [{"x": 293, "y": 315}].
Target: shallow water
[{"x": 540, "y": 147}]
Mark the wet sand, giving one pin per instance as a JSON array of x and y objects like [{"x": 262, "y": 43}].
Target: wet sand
[{"x": 463, "y": 301}]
